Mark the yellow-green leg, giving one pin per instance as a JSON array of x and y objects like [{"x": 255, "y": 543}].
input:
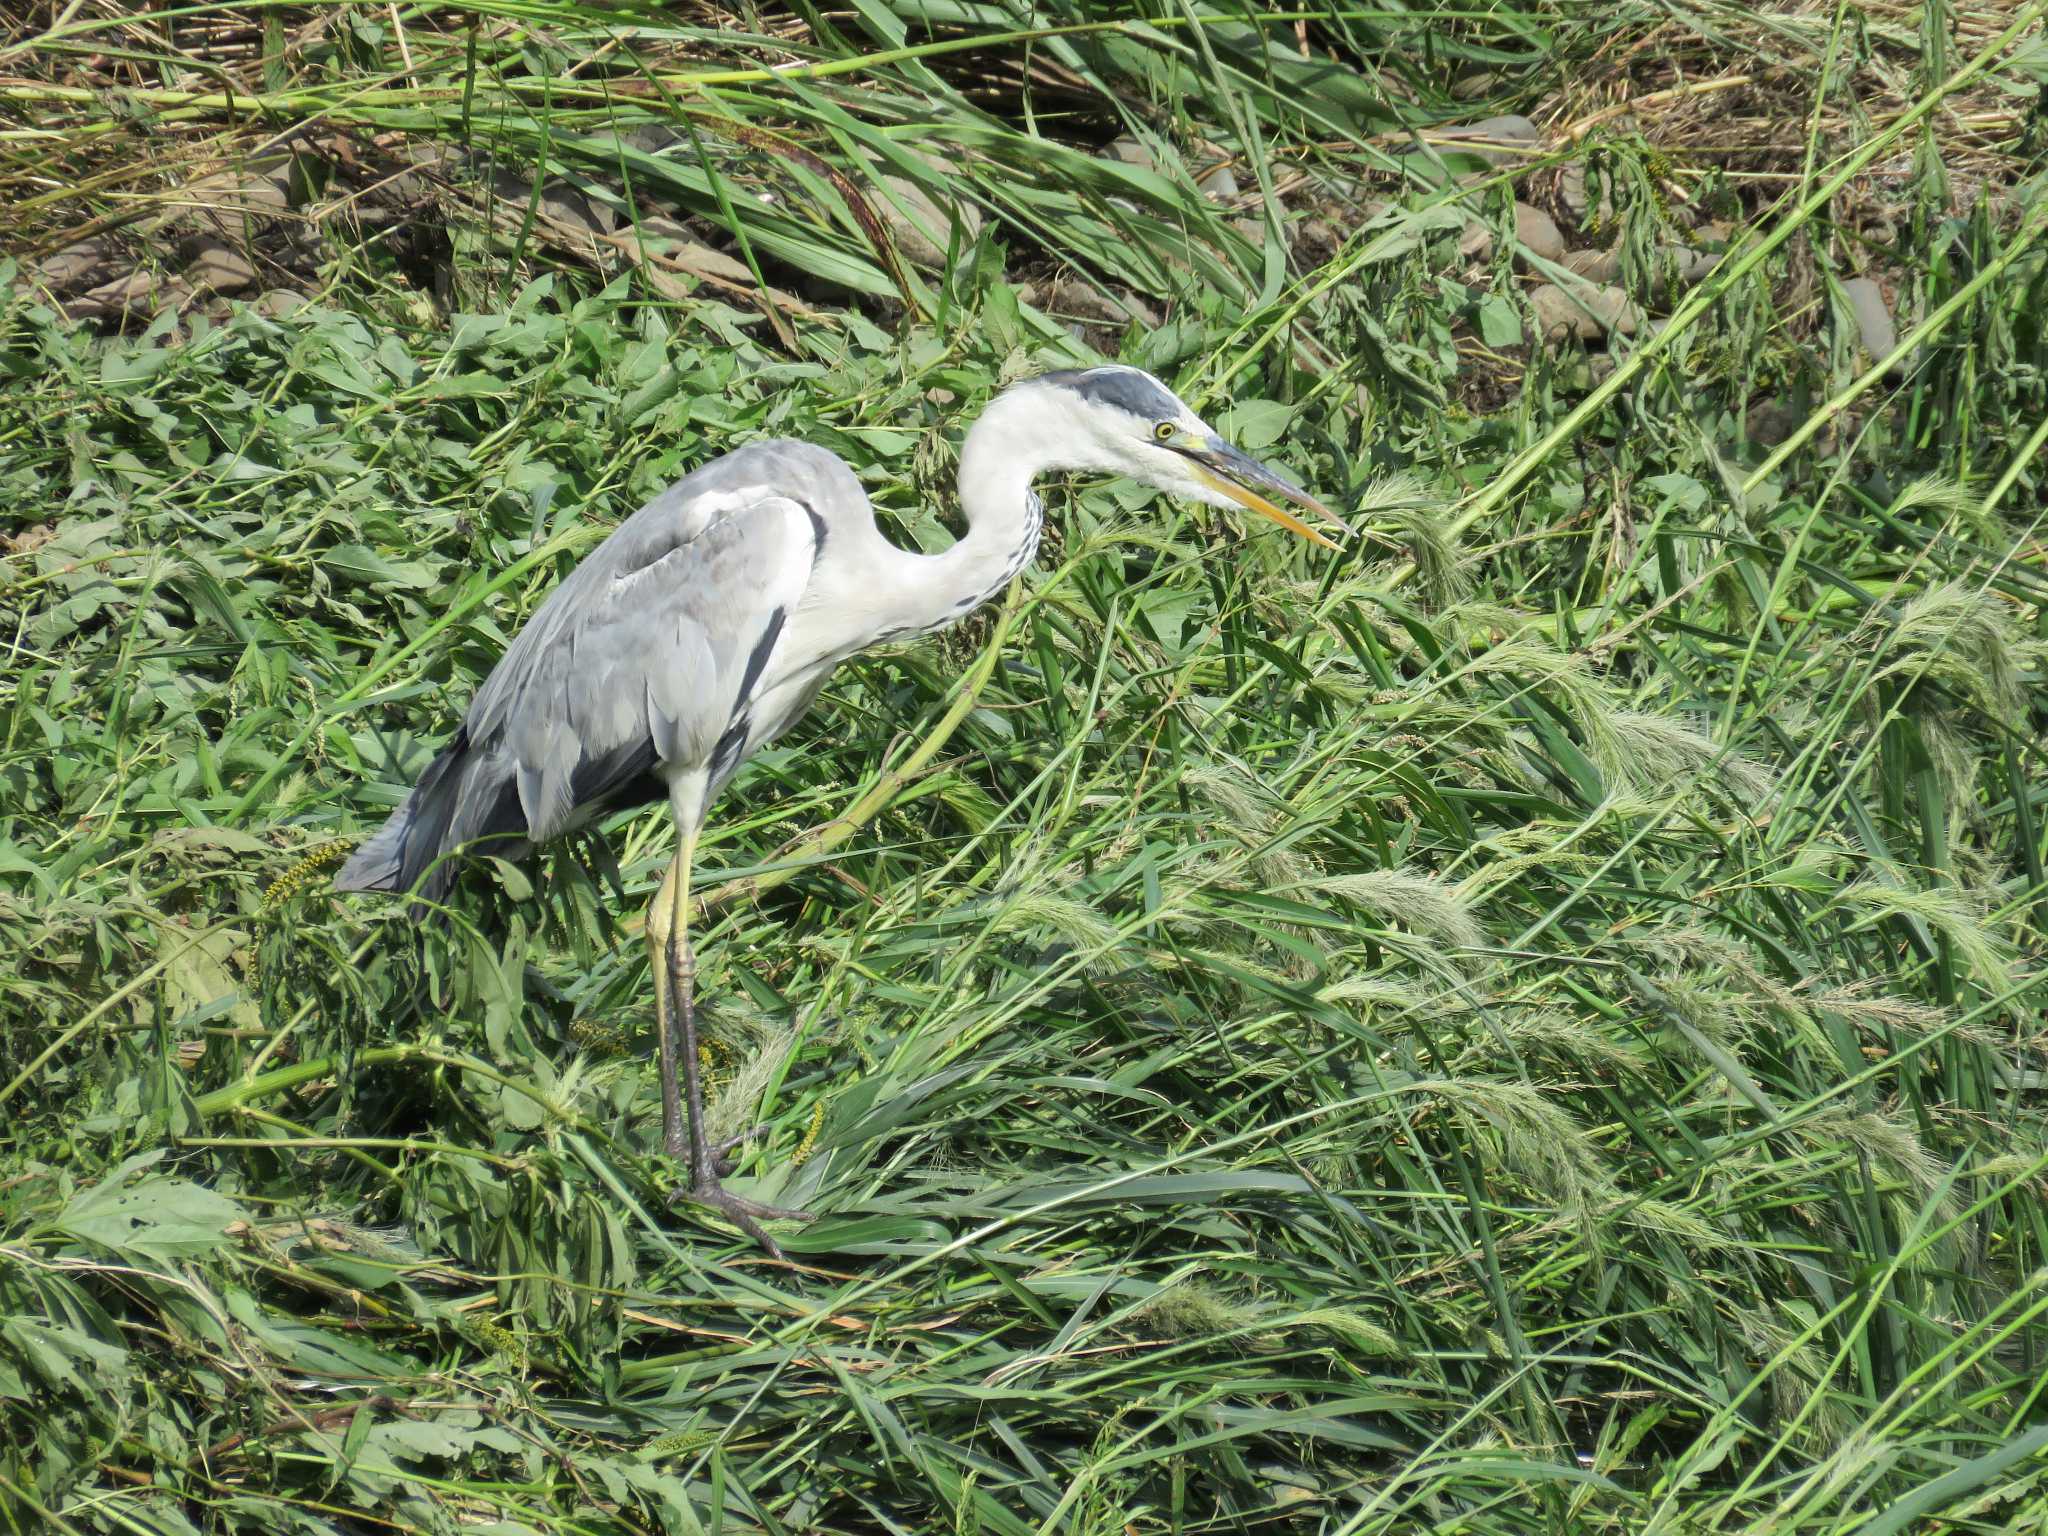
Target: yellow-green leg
[
  {"x": 659, "y": 920},
  {"x": 668, "y": 948}
]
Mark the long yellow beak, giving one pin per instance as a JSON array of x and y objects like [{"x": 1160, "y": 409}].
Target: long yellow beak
[{"x": 1245, "y": 481}]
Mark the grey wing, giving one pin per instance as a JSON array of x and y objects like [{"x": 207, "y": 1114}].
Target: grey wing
[
  {"x": 653, "y": 668},
  {"x": 641, "y": 663}
]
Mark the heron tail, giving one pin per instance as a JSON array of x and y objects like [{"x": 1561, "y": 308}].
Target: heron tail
[{"x": 412, "y": 841}]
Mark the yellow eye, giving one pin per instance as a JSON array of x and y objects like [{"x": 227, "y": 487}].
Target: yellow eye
[{"x": 1164, "y": 431}]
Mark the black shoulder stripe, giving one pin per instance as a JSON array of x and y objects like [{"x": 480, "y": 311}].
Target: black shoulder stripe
[
  {"x": 758, "y": 660},
  {"x": 725, "y": 756},
  {"x": 818, "y": 529}
]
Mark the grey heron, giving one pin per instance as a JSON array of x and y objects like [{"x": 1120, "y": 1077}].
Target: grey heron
[{"x": 703, "y": 627}]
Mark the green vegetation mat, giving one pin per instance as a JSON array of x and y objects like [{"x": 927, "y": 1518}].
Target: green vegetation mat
[{"x": 1531, "y": 1024}]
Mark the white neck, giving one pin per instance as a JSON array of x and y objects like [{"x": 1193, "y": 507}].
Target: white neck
[{"x": 1010, "y": 446}]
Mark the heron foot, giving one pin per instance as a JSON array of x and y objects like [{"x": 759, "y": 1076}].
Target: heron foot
[
  {"x": 721, "y": 1165},
  {"x": 743, "y": 1213}
]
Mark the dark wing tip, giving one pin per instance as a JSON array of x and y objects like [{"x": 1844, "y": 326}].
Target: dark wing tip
[{"x": 375, "y": 865}]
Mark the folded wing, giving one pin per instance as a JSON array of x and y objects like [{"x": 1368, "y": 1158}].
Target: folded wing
[{"x": 642, "y": 663}]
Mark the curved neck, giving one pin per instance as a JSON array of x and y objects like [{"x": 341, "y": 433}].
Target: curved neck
[{"x": 1007, "y": 448}]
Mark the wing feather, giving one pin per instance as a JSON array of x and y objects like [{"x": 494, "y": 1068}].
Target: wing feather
[
  {"x": 642, "y": 662},
  {"x": 647, "y": 670}
]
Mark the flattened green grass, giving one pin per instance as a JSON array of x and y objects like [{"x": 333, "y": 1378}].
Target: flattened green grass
[{"x": 1531, "y": 1025}]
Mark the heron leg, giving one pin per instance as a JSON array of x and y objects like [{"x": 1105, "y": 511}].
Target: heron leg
[
  {"x": 660, "y": 919},
  {"x": 707, "y": 1163}
]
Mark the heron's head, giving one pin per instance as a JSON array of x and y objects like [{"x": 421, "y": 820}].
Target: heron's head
[{"x": 1123, "y": 421}]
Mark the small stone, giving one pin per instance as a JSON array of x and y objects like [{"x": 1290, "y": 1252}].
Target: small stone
[
  {"x": 675, "y": 242},
  {"x": 1317, "y": 241},
  {"x": 1506, "y": 132},
  {"x": 417, "y": 188},
  {"x": 655, "y": 138},
  {"x": 1130, "y": 151},
  {"x": 1081, "y": 298},
  {"x": 1496, "y": 142},
  {"x": 578, "y": 209},
  {"x": 219, "y": 267},
  {"x": 1774, "y": 421},
  {"x": 922, "y": 228},
  {"x": 1534, "y": 229},
  {"x": 569, "y": 207},
  {"x": 1588, "y": 315},
  {"x": 1693, "y": 263},
  {"x": 259, "y": 187},
  {"x": 676, "y": 247},
  {"x": 1556, "y": 316},
  {"x": 134, "y": 294},
  {"x": 1571, "y": 196},
  {"x": 30, "y": 539},
  {"x": 80, "y": 266},
  {"x": 279, "y": 302},
  {"x": 1072, "y": 296},
  {"x": 1615, "y": 310},
  {"x": 1537, "y": 232},
  {"x": 1511, "y": 128},
  {"x": 1218, "y": 183},
  {"x": 1594, "y": 266},
  {"x": 1571, "y": 190},
  {"x": 1873, "y": 316}
]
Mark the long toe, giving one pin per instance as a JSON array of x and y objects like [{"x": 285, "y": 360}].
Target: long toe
[
  {"x": 743, "y": 1213},
  {"x": 720, "y": 1163}
]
